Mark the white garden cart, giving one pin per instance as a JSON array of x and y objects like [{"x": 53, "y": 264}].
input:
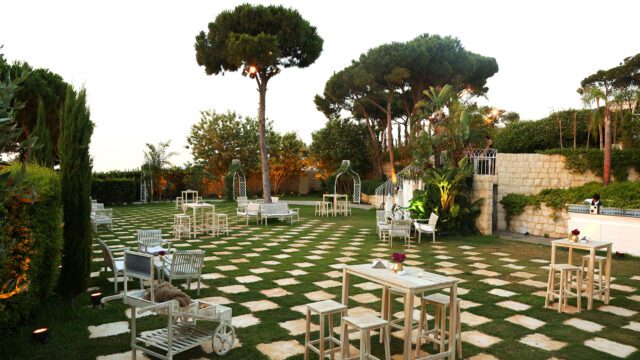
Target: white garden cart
[{"x": 186, "y": 326}]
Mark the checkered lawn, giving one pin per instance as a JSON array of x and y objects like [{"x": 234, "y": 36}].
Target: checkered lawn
[{"x": 266, "y": 274}]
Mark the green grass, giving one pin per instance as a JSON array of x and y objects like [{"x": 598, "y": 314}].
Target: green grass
[{"x": 70, "y": 337}]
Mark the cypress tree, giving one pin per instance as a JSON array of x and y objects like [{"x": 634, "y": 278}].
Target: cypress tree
[
  {"x": 75, "y": 173},
  {"x": 42, "y": 153}
]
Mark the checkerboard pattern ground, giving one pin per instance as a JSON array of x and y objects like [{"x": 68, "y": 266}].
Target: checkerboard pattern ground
[{"x": 267, "y": 274}]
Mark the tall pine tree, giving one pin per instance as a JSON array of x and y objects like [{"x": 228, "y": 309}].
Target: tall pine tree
[
  {"x": 75, "y": 171},
  {"x": 42, "y": 153}
]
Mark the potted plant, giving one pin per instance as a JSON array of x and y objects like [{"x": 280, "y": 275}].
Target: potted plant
[
  {"x": 573, "y": 236},
  {"x": 398, "y": 259}
]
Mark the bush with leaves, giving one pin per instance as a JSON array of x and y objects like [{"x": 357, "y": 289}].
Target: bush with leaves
[
  {"x": 448, "y": 194},
  {"x": 30, "y": 242},
  {"x": 583, "y": 160}
]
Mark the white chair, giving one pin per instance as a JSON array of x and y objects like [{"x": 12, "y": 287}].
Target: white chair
[
  {"x": 399, "y": 228},
  {"x": 179, "y": 202},
  {"x": 116, "y": 265},
  {"x": 428, "y": 228},
  {"x": 102, "y": 217},
  {"x": 251, "y": 210},
  {"x": 150, "y": 241},
  {"x": 381, "y": 221},
  {"x": 184, "y": 265}
]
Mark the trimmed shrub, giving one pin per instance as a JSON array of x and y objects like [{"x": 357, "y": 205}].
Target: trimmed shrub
[
  {"x": 369, "y": 186},
  {"x": 543, "y": 134},
  {"x": 582, "y": 160},
  {"x": 115, "y": 191},
  {"x": 622, "y": 194},
  {"x": 30, "y": 243}
]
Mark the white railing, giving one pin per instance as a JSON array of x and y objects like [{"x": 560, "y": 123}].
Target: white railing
[{"x": 484, "y": 161}]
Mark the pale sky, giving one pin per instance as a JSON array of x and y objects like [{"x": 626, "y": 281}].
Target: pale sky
[{"x": 137, "y": 61}]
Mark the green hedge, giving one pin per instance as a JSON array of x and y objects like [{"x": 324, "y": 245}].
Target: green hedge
[
  {"x": 583, "y": 160},
  {"x": 623, "y": 194},
  {"x": 543, "y": 134},
  {"x": 115, "y": 191},
  {"x": 369, "y": 186},
  {"x": 31, "y": 240}
]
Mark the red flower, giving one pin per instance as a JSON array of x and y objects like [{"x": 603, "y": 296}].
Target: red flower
[
  {"x": 575, "y": 232},
  {"x": 398, "y": 257},
  {"x": 161, "y": 252}
]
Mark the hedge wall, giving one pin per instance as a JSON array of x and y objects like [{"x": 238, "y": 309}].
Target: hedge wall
[
  {"x": 582, "y": 160},
  {"x": 622, "y": 194},
  {"x": 30, "y": 243},
  {"x": 543, "y": 134},
  {"x": 115, "y": 191}
]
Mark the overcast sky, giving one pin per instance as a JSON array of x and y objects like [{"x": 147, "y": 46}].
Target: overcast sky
[{"x": 137, "y": 61}]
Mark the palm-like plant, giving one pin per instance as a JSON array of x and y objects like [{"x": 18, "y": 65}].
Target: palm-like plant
[
  {"x": 156, "y": 158},
  {"x": 589, "y": 95}
]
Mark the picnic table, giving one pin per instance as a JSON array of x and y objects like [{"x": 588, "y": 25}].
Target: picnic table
[{"x": 412, "y": 284}]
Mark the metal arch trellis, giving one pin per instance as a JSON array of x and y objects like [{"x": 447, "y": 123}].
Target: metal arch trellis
[
  {"x": 235, "y": 170},
  {"x": 345, "y": 169}
]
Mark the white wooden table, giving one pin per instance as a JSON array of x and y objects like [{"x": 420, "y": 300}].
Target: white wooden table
[
  {"x": 188, "y": 197},
  {"x": 336, "y": 198},
  {"x": 591, "y": 246},
  {"x": 412, "y": 284},
  {"x": 199, "y": 228}
]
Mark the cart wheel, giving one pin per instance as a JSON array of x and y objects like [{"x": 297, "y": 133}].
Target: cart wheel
[{"x": 223, "y": 339}]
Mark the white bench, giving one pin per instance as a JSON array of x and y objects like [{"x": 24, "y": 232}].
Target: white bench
[{"x": 277, "y": 211}]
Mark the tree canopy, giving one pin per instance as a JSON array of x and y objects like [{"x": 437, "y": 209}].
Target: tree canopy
[{"x": 260, "y": 41}]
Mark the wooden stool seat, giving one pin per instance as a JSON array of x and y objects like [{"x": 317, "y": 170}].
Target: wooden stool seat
[
  {"x": 221, "y": 223},
  {"x": 326, "y": 306},
  {"x": 318, "y": 210},
  {"x": 440, "y": 333},
  {"x": 324, "y": 309},
  {"x": 364, "y": 324},
  {"x": 181, "y": 225},
  {"x": 603, "y": 287},
  {"x": 563, "y": 292}
]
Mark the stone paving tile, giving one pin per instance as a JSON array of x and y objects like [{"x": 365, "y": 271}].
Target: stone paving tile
[
  {"x": 633, "y": 325},
  {"x": 513, "y": 305},
  {"x": 479, "y": 265},
  {"x": 365, "y": 298},
  {"x": 260, "y": 305},
  {"x": 502, "y": 292},
  {"x": 483, "y": 356},
  {"x": 280, "y": 350},
  {"x": 368, "y": 286},
  {"x": 233, "y": 289},
  {"x": 495, "y": 282},
  {"x": 479, "y": 339},
  {"x": 623, "y": 288},
  {"x": 617, "y": 310},
  {"x": 275, "y": 292},
  {"x": 485, "y": 273},
  {"x": 297, "y": 272},
  {"x": 449, "y": 271},
  {"x": 473, "y": 319},
  {"x": 286, "y": 281},
  {"x": 543, "y": 342},
  {"x": 219, "y": 300},
  {"x": 327, "y": 284},
  {"x": 534, "y": 283},
  {"x": 319, "y": 295},
  {"x": 525, "y": 321},
  {"x": 248, "y": 279},
  {"x": 109, "y": 329},
  {"x": 297, "y": 327},
  {"x": 446, "y": 264},
  {"x": 610, "y": 347},
  {"x": 123, "y": 356},
  {"x": 584, "y": 325}
]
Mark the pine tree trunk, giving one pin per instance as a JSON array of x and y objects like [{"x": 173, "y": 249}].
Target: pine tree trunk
[
  {"x": 264, "y": 158},
  {"x": 606, "y": 173},
  {"x": 390, "y": 142},
  {"x": 377, "y": 152}
]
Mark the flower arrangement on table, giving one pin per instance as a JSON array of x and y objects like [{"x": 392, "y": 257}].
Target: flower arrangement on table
[
  {"x": 398, "y": 259},
  {"x": 161, "y": 254},
  {"x": 573, "y": 236}
]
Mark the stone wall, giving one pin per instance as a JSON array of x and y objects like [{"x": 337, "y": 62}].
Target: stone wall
[
  {"x": 483, "y": 189},
  {"x": 541, "y": 222},
  {"x": 529, "y": 174}
]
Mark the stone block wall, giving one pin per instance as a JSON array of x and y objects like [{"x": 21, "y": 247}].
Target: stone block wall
[
  {"x": 483, "y": 189},
  {"x": 541, "y": 222},
  {"x": 529, "y": 174}
]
